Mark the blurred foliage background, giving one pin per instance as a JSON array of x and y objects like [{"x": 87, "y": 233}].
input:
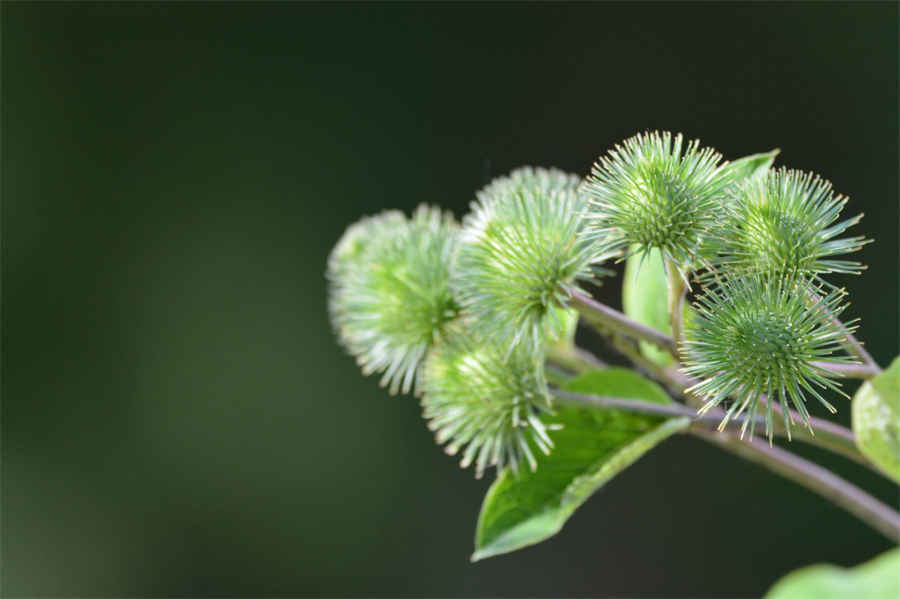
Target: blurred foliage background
[{"x": 177, "y": 417}]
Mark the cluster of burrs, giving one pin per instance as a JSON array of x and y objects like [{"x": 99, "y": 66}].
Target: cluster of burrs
[
  {"x": 462, "y": 314},
  {"x": 766, "y": 326}
]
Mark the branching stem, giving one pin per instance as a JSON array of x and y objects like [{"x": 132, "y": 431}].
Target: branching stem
[
  {"x": 869, "y": 366},
  {"x": 853, "y": 499},
  {"x": 604, "y": 317},
  {"x": 851, "y": 371},
  {"x": 829, "y": 436},
  {"x": 574, "y": 359},
  {"x": 812, "y": 476},
  {"x": 671, "y": 410},
  {"x": 856, "y": 349}
]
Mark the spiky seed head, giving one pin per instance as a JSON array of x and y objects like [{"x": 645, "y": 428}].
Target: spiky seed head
[
  {"x": 486, "y": 401},
  {"x": 756, "y": 334},
  {"x": 521, "y": 252},
  {"x": 656, "y": 191},
  {"x": 389, "y": 291},
  {"x": 785, "y": 224},
  {"x": 349, "y": 251},
  {"x": 528, "y": 178}
]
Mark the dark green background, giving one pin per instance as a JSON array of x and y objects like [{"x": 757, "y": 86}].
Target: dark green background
[{"x": 177, "y": 417}]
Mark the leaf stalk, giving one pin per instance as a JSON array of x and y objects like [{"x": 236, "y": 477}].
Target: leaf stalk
[{"x": 812, "y": 476}]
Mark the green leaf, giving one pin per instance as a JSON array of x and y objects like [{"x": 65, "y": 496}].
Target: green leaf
[
  {"x": 644, "y": 299},
  {"x": 751, "y": 166},
  {"x": 592, "y": 447},
  {"x": 876, "y": 579},
  {"x": 876, "y": 419}
]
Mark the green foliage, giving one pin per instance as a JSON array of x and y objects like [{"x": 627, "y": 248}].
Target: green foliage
[
  {"x": 487, "y": 398},
  {"x": 644, "y": 299},
  {"x": 467, "y": 317},
  {"x": 591, "y": 447},
  {"x": 389, "y": 291},
  {"x": 753, "y": 166},
  {"x": 521, "y": 252},
  {"x": 785, "y": 224},
  {"x": 758, "y": 334},
  {"x": 876, "y": 419},
  {"x": 653, "y": 191},
  {"x": 876, "y": 579}
]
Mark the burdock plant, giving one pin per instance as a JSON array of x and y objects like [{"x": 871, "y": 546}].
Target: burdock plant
[
  {"x": 522, "y": 252},
  {"x": 489, "y": 399},
  {"x": 787, "y": 223},
  {"x": 755, "y": 340},
  {"x": 656, "y": 191},
  {"x": 390, "y": 297},
  {"x": 477, "y": 320}
]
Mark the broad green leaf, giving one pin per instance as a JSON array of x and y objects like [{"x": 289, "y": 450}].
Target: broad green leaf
[
  {"x": 876, "y": 579},
  {"x": 592, "y": 447},
  {"x": 887, "y": 384},
  {"x": 644, "y": 299},
  {"x": 751, "y": 166},
  {"x": 876, "y": 419}
]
